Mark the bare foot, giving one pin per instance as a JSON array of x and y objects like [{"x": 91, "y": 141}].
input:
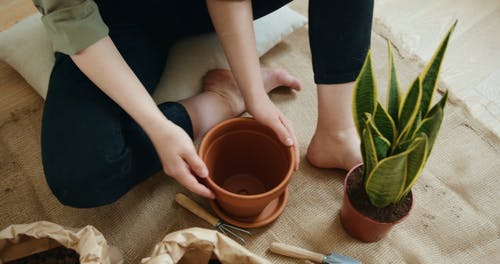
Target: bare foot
[
  {"x": 335, "y": 143},
  {"x": 335, "y": 149},
  {"x": 221, "y": 98},
  {"x": 222, "y": 83}
]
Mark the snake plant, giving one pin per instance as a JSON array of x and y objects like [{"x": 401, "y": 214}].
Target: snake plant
[{"x": 396, "y": 141}]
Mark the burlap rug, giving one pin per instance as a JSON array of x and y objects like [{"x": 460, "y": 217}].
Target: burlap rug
[{"x": 455, "y": 217}]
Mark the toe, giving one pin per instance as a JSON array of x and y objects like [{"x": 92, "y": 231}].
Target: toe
[{"x": 286, "y": 79}]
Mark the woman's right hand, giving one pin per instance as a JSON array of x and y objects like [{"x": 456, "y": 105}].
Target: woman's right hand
[
  {"x": 179, "y": 158},
  {"x": 104, "y": 65}
]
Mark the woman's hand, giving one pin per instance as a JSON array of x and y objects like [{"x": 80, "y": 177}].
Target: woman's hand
[
  {"x": 233, "y": 22},
  {"x": 179, "y": 158},
  {"x": 104, "y": 65},
  {"x": 265, "y": 112}
]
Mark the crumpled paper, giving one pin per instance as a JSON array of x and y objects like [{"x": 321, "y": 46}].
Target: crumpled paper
[
  {"x": 88, "y": 242},
  {"x": 198, "y": 246}
]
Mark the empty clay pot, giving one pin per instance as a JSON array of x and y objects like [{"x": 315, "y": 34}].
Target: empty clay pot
[
  {"x": 248, "y": 166},
  {"x": 357, "y": 224}
]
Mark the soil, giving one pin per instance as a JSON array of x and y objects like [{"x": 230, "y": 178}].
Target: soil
[
  {"x": 60, "y": 255},
  {"x": 359, "y": 199}
]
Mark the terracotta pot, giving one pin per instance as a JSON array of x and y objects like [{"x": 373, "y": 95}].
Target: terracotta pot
[
  {"x": 360, "y": 226},
  {"x": 248, "y": 166}
]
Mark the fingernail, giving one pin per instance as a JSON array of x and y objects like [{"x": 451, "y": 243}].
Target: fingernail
[{"x": 289, "y": 142}]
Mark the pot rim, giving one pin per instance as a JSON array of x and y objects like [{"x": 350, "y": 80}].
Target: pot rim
[
  {"x": 204, "y": 147},
  {"x": 348, "y": 200}
]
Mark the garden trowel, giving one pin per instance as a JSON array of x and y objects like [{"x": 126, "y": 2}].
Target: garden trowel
[{"x": 300, "y": 253}]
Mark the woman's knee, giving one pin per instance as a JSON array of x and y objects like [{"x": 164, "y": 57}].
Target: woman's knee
[{"x": 83, "y": 185}]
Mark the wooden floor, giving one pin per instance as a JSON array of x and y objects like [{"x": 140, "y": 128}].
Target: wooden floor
[
  {"x": 471, "y": 68},
  {"x": 16, "y": 93},
  {"x": 14, "y": 10}
]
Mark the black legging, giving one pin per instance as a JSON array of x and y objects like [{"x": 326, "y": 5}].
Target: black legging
[{"x": 93, "y": 152}]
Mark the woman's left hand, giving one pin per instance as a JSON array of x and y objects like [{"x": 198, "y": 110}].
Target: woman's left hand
[
  {"x": 266, "y": 113},
  {"x": 233, "y": 22}
]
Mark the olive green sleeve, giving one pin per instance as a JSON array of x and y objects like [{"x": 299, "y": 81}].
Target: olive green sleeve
[{"x": 72, "y": 25}]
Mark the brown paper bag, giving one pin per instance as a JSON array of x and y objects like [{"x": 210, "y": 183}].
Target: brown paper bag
[
  {"x": 198, "y": 246},
  {"x": 18, "y": 241}
]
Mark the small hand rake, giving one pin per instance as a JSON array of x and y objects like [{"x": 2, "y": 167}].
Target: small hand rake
[{"x": 196, "y": 209}]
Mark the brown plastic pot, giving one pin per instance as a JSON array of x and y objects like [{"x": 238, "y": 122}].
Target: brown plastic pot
[
  {"x": 248, "y": 166},
  {"x": 360, "y": 226}
]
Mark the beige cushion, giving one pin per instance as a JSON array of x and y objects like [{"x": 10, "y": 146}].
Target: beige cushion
[{"x": 27, "y": 49}]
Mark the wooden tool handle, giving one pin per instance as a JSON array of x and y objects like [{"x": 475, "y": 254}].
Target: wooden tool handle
[
  {"x": 27, "y": 248},
  {"x": 195, "y": 209},
  {"x": 296, "y": 252}
]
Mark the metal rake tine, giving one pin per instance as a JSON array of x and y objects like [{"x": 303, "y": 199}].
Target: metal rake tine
[
  {"x": 196, "y": 209},
  {"x": 223, "y": 227},
  {"x": 237, "y": 229}
]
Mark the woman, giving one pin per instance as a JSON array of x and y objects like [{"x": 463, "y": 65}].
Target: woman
[{"x": 102, "y": 133}]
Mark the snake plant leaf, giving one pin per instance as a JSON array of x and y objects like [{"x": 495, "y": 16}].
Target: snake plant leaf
[
  {"x": 430, "y": 125},
  {"x": 409, "y": 134},
  {"x": 387, "y": 180},
  {"x": 415, "y": 164},
  {"x": 382, "y": 144},
  {"x": 430, "y": 74},
  {"x": 368, "y": 151},
  {"x": 410, "y": 107},
  {"x": 393, "y": 89},
  {"x": 385, "y": 123},
  {"x": 364, "y": 95},
  {"x": 402, "y": 146},
  {"x": 441, "y": 104}
]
